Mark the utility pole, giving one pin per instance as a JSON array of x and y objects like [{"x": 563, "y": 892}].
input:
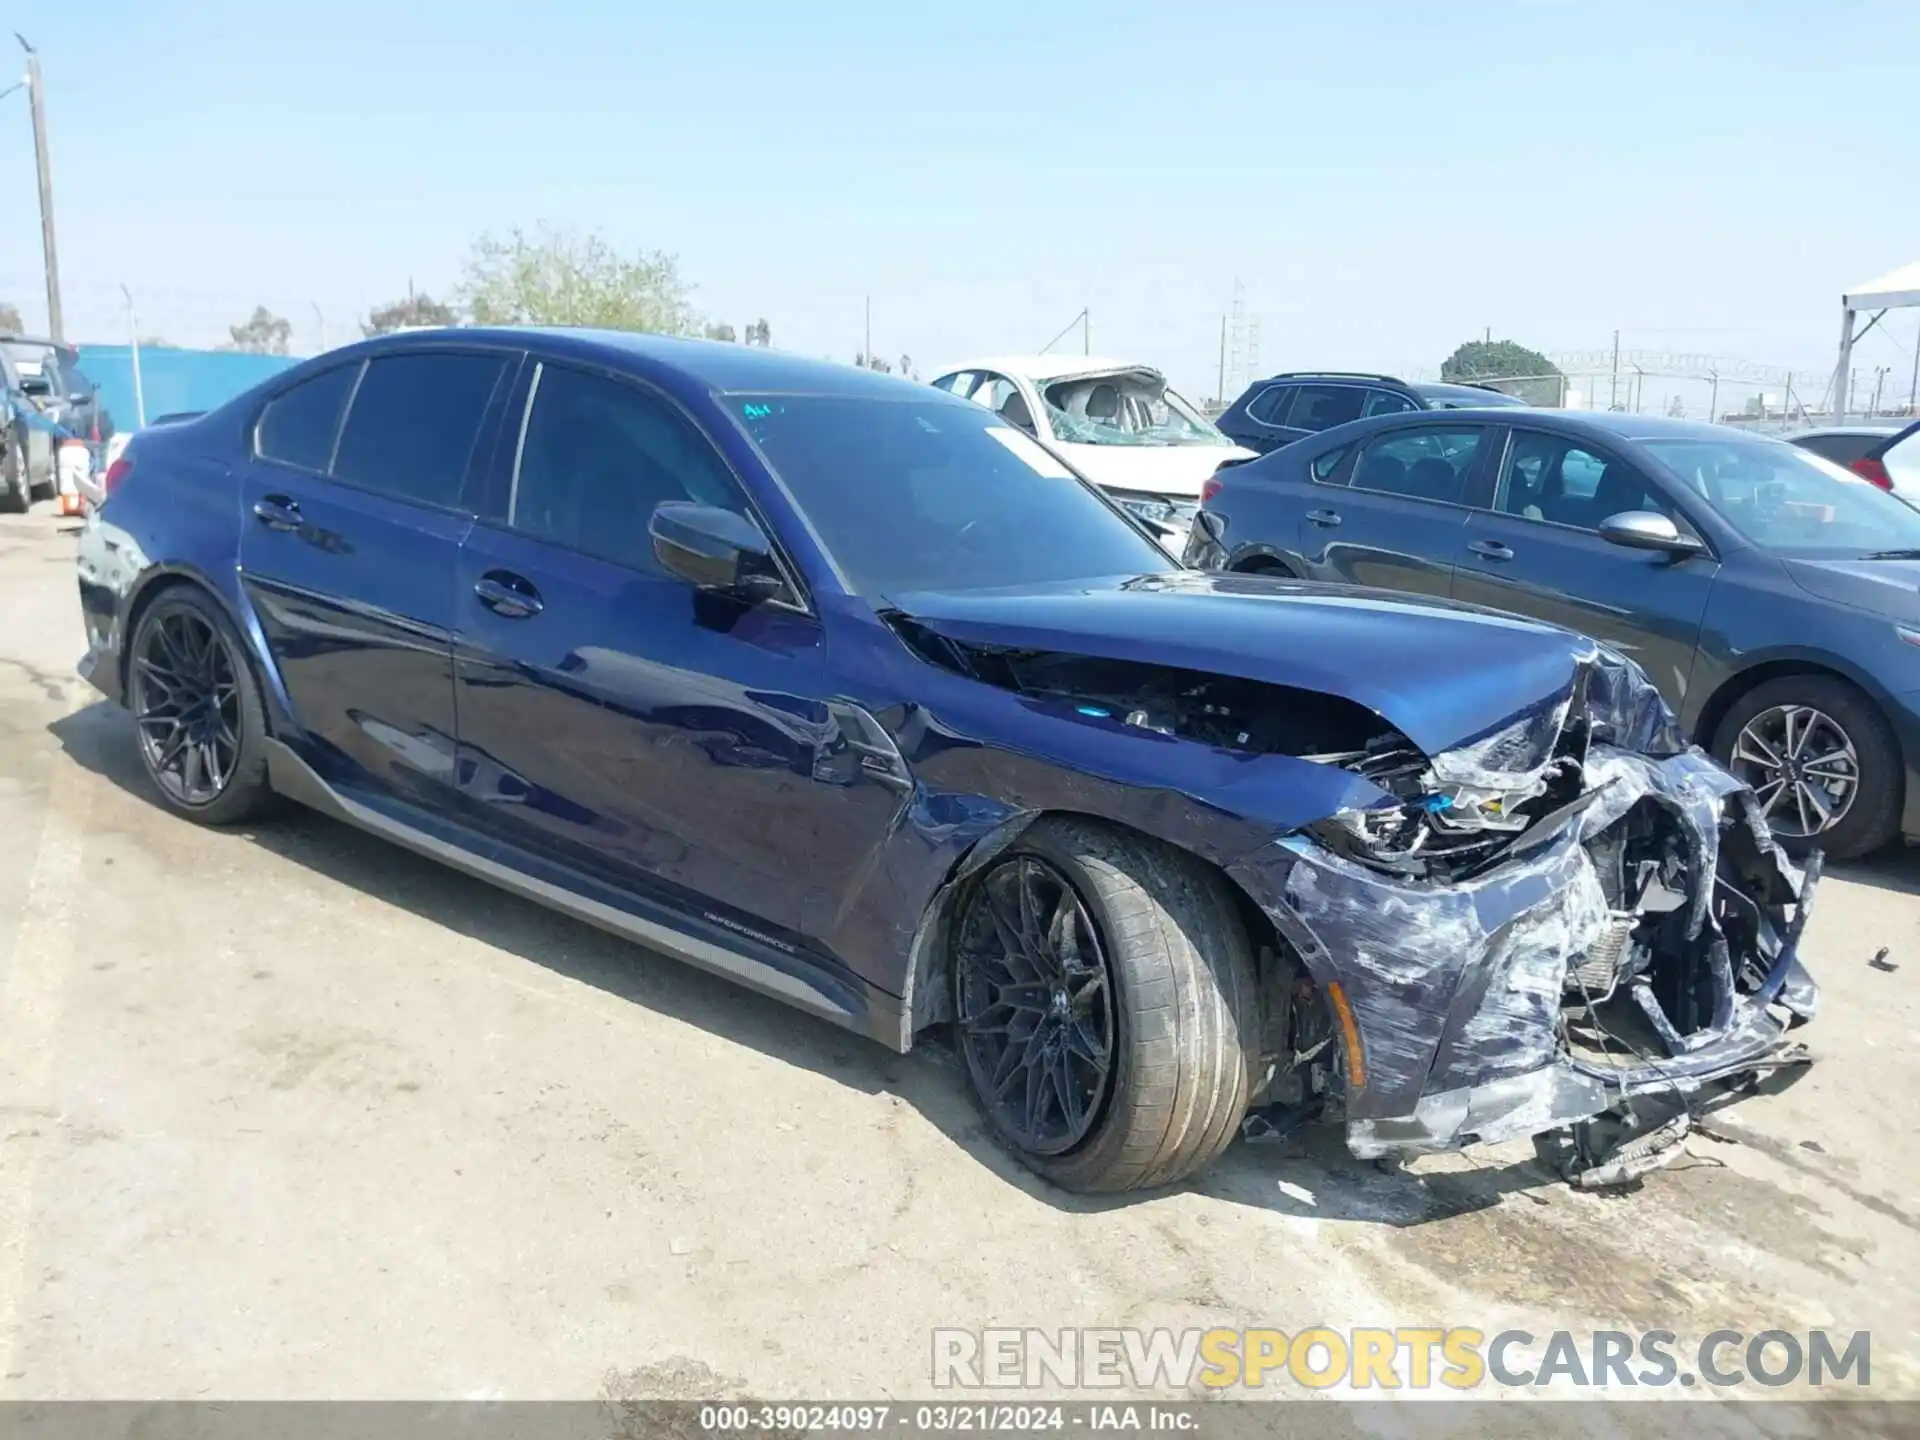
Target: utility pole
[
  {"x": 1879, "y": 379},
  {"x": 868, "y": 352},
  {"x": 1713, "y": 400},
  {"x": 1220, "y": 385},
  {"x": 1913, "y": 385},
  {"x": 36, "y": 99},
  {"x": 133, "y": 341},
  {"x": 1086, "y": 332},
  {"x": 1613, "y": 395},
  {"x": 320, "y": 321}
]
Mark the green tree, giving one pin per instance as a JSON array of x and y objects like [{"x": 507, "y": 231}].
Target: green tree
[
  {"x": 410, "y": 313},
  {"x": 10, "y": 321},
  {"x": 264, "y": 333},
  {"x": 564, "y": 277},
  {"x": 720, "y": 332},
  {"x": 1507, "y": 366}
]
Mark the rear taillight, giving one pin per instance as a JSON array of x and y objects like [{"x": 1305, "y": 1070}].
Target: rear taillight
[
  {"x": 1210, "y": 489},
  {"x": 1873, "y": 471},
  {"x": 116, "y": 475}
]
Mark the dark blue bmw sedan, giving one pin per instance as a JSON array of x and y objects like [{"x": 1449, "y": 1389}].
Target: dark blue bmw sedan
[
  {"x": 1772, "y": 596},
  {"x": 847, "y": 689}
]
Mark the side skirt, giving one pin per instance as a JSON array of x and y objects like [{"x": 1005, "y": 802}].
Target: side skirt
[{"x": 841, "y": 998}]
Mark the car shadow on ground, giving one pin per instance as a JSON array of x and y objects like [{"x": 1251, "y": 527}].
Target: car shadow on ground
[
  {"x": 1309, "y": 1174},
  {"x": 1893, "y": 867}
]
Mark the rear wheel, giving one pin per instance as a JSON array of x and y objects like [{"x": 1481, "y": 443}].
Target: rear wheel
[
  {"x": 16, "y": 489},
  {"x": 1822, "y": 761},
  {"x": 201, "y": 726},
  {"x": 1102, "y": 987}
]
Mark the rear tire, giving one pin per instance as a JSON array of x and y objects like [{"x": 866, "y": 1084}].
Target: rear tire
[
  {"x": 201, "y": 727},
  {"x": 16, "y": 488},
  {"x": 1180, "y": 1018},
  {"x": 1751, "y": 729}
]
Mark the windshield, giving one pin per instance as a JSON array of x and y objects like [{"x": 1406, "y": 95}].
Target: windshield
[
  {"x": 937, "y": 494},
  {"x": 1790, "y": 501},
  {"x": 1126, "y": 407}
]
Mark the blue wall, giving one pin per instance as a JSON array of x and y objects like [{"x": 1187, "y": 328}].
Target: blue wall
[{"x": 174, "y": 380}]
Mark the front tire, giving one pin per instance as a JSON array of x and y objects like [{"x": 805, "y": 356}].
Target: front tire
[
  {"x": 1104, "y": 1006},
  {"x": 201, "y": 727},
  {"x": 1822, "y": 760}
]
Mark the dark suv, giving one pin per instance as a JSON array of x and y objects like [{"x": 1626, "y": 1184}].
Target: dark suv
[
  {"x": 1285, "y": 408},
  {"x": 1774, "y": 600}
]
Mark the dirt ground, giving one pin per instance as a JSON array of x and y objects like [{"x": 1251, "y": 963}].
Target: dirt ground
[{"x": 288, "y": 1112}]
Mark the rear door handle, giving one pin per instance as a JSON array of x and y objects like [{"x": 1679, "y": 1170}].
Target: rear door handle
[
  {"x": 1324, "y": 517},
  {"x": 277, "y": 512},
  {"x": 1492, "y": 549},
  {"x": 508, "y": 595}
]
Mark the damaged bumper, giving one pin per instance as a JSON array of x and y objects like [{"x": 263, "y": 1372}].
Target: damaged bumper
[{"x": 1636, "y": 939}]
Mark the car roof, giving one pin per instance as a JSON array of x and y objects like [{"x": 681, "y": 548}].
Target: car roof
[
  {"x": 1043, "y": 368},
  {"x": 718, "y": 364}
]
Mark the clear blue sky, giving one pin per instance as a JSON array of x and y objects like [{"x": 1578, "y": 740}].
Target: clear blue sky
[{"x": 1386, "y": 180}]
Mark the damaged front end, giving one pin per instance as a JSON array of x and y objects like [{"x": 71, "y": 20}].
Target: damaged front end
[{"x": 1571, "y": 913}]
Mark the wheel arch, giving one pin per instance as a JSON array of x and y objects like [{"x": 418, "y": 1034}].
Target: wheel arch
[
  {"x": 1744, "y": 682},
  {"x": 1262, "y": 559},
  {"x": 162, "y": 579},
  {"x": 927, "y": 1003}
]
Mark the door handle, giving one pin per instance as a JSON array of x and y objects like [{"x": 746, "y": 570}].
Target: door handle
[
  {"x": 1492, "y": 549},
  {"x": 277, "y": 512},
  {"x": 1324, "y": 517},
  {"x": 508, "y": 595}
]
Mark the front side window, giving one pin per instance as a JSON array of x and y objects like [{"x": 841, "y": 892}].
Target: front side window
[
  {"x": 915, "y": 494},
  {"x": 1430, "y": 462},
  {"x": 598, "y": 456},
  {"x": 1788, "y": 501},
  {"x": 1558, "y": 479},
  {"x": 413, "y": 423},
  {"x": 298, "y": 426},
  {"x": 1321, "y": 407}
]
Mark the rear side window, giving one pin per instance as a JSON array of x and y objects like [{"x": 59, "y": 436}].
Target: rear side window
[
  {"x": 1321, "y": 407},
  {"x": 298, "y": 426},
  {"x": 1269, "y": 407},
  {"x": 598, "y": 457},
  {"x": 1430, "y": 462},
  {"x": 412, "y": 426}
]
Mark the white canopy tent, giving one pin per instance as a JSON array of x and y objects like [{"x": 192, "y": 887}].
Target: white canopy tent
[{"x": 1895, "y": 290}]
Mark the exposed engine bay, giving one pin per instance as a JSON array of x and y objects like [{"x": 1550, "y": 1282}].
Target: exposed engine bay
[{"x": 1555, "y": 921}]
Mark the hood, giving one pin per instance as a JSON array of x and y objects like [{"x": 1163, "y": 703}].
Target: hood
[
  {"x": 1441, "y": 674},
  {"x": 1175, "y": 471},
  {"x": 1884, "y": 587}
]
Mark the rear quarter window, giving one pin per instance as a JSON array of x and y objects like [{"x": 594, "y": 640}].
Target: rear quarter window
[
  {"x": 1324, "y": 466},
  {"x": 298, "y": 425}
]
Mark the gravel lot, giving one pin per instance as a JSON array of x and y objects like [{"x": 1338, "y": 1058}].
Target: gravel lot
[{"x": 292, "y": 1113}]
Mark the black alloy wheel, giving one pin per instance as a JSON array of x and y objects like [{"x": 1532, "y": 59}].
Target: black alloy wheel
[
  {"x": 186, "y": 702},
  {"x": 1034, "y": 1005}
]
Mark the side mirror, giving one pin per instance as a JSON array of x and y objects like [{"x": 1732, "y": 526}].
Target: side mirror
[
  {"x": 1647, "y": 530},
  {"x": 715, "y": 549}
]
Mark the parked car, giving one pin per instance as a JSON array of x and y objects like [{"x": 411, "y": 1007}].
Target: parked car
[
  {"x": 1284, "y": 408},
  {"x": 1773, "y": 598},
  {"x": 1886, "y": 455},
  {"x": 1116, "y": 423},
  {"x": 837, "y": 685},
  {"x": 51, "y": 373}
]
